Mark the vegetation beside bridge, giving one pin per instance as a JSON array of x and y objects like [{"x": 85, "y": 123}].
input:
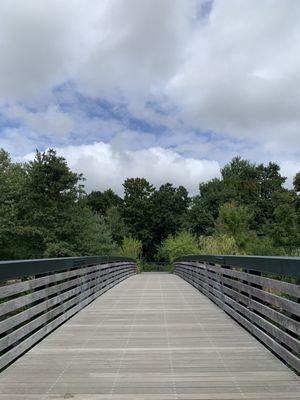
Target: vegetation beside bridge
[{"x": 45, "y": 212}]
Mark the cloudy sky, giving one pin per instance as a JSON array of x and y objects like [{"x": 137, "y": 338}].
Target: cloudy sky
[{"x": 165, "y": 89}]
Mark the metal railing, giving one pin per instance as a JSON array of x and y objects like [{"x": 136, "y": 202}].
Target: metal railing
[
  {"x": 261, "y": 293},
  {"x": 37, "y": 296}
]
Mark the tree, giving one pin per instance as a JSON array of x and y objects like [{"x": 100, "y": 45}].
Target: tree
[
  {"x": 116, "y": 224},
  {"x": 284, "y": 229},
  {"x": 50, "y": 195},
  {"x": 213, "y": 194},
  {"x": 17, "y": 240},
  {"x": 138, "y": 211},
  {"x": 270, "y": 182},
  {"x": 100, "y": 202},
  {"x": 234, "y": 219},
  {"x": 53, "y": 217},
  {"x": 198, "y": 219},
  {"x": 44, "y": 212},
  {"x": 240, "y": 179},
  {"x": 296, "y": 182},
  {"x": 170, "y": 206}
]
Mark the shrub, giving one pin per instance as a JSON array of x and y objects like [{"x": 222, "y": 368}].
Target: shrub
[
  {"x": 182, "y": 244},
  {"x": 131, "y": 248},
  {"x": 218, "y": 244}
]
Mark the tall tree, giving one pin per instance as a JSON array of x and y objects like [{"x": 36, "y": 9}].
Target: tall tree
[
  {"x": 170, "y": 205},
  {"x": 138, "y": 211},
  {"x": 100, "y": 202},
  {"x": 116, "y": 224},
  {"x": 54, "y": 208},
  {"x": 240, "y": 180},
  {"x": 296, "y": 182},
  {"x": 199, "y": 219},
  {"x": 16, "y": 239},
  {"x": 51, "y": 192},
  {"x": 270, "y": 183}
]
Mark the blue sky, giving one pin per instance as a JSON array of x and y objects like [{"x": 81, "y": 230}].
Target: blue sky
[{"x": 170, "y": 92}]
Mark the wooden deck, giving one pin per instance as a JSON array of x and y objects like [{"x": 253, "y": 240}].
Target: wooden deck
[{"x": 151, "y": 337}]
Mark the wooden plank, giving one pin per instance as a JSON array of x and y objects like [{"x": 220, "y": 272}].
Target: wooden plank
[{"x": 152, "y": 337}]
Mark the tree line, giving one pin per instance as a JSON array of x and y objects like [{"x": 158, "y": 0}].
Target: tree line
[{"x": 46, "y": 212}]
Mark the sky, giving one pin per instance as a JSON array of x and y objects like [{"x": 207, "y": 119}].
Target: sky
[{"x": 169, "y": 90}]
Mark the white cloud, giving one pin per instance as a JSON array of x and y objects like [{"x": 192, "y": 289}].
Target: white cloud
[
  {"x": 234, "y": 70},
  {"x": 105, "y": 167}
]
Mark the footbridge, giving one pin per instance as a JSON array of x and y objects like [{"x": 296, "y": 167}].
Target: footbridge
[{"x": 218, "y": 327}]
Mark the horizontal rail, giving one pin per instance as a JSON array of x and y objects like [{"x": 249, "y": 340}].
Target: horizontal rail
[
  {"x": 285, "y": 266},
  {"x": 22, "y": 268},
  {"x": 268, "y": 308},
  {"x": 32, "y": 308}
]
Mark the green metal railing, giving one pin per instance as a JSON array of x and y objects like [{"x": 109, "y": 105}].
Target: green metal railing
[
  {"x": 21, "y": 268},
  {"x": 37, "y": 296},
  {"x": 285, "y": 266},
  {"x": 260, "y": 293}
]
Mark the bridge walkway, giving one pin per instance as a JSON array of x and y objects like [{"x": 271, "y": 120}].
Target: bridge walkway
[{"x": 153, "y": 336}]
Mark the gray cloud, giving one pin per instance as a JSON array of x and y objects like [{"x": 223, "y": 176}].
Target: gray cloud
[{"x": 229, "y": 67}]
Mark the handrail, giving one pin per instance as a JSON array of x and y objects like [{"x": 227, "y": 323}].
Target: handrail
[
  {"x": 285, "y": 266},
  {"x": 21, "y": 268},
  {"x": 37, "y": 296},
  {"x": 267, "y": 306}
]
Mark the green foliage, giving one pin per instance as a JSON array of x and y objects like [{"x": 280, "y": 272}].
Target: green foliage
[
  {"x": 234, "y": 219},
  {"x": 296, "y": 182},
  {"x": 169, "y": 206},
  {"x": 115, "y": 223},
  {"x": 150, "y": 214},
  {"x": 101, "y": 202},
  {"x": 221, "y": 243},
  {"x": 89, "y": 233},
  {"x": 131, "y": 248},
  {"x": 138, "y": 210},
  {"x": 198, "y": 219},
  {"x": 182, "y": 244},
  {"x": 45, "y": 212}
]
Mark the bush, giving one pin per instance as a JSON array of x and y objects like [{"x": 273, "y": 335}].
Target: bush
[
  {"x": 182, "y": 244},
  {"x": 218, "y": 244},
  {"x": 131, "y": 248}
]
